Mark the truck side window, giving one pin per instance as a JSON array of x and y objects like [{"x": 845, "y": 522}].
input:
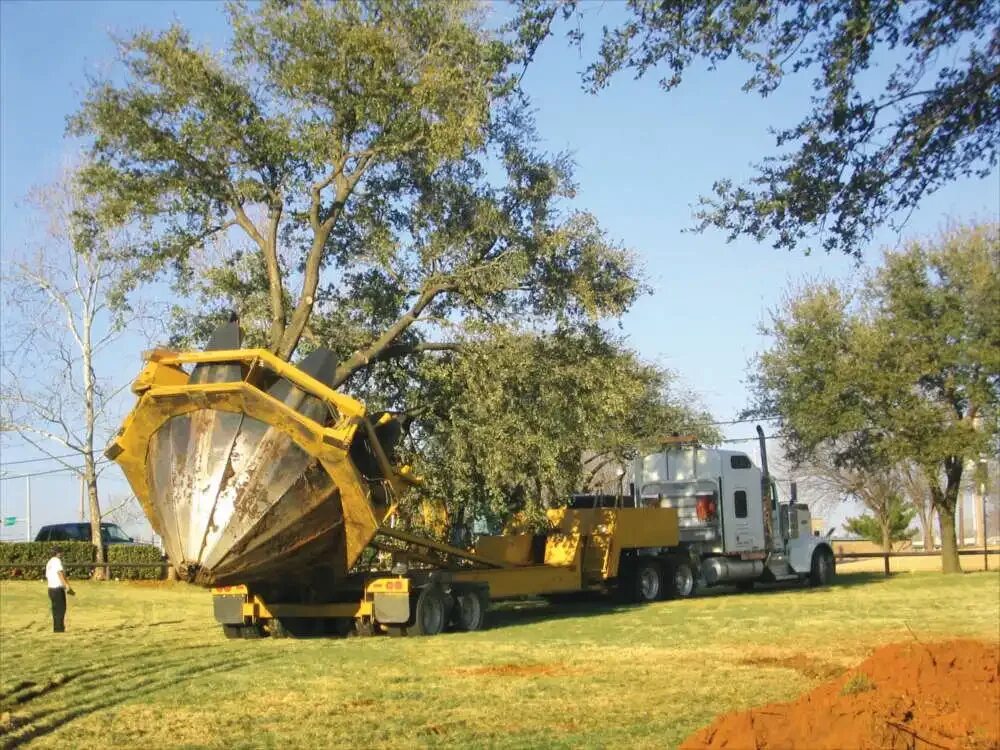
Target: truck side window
[
  {"x": 740, "y": 503},
  {"x": 739, "y": 462}
]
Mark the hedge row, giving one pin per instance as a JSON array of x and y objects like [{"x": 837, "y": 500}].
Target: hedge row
[
  {"x": 135, "y": 553},
  {"x": 15, "y": 553}
]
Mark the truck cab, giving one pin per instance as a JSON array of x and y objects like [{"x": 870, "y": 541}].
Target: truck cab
[{"x": 732, "y": 525}]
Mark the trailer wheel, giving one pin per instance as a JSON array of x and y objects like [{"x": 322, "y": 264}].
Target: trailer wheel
[
  {"x": 648, "y": 581},
  {"x": 469, "y": 612},
  {"x": 681, "y": 583},
  {"x": 822, "y": 569},
  {"x": 232, "y": 631},
  {"x": 242, "y": 631},
  {"x": 431, "y": 613}
]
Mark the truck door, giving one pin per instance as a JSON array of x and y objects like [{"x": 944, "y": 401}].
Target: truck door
[{"x": 742, "y": 513}]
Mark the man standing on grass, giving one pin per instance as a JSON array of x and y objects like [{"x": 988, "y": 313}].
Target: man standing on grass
[{"x": 58, "y": 588}]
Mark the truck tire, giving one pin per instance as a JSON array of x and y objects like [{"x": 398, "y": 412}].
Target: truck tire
[
  {"x": 469, "y": 612},
  {"x": 681, "y": 581},
  {"x": 647, "y": 581},
  {"x": 823, "y": 567},
  {"x": 430, "y": 614}
]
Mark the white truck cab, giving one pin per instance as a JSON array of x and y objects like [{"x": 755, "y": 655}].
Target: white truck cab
[{"x": 732, "y": 526}]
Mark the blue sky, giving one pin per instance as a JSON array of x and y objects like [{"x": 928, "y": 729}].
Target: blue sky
[{"x": 643, "y": 157}]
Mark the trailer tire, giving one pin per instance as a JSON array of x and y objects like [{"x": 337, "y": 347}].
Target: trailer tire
[
  {"x": 823, "y": 567},
  {"x": 647, "y": 581},
  {"x": 682, "y": 583},
  {"x": 430, "y": 615},
  {"x": 232, "y": 631},
  {"x": 469, "y": 612}
]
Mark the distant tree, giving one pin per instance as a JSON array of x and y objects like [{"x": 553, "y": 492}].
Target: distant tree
[
  {"x": 906, "y": 370},
  {"x": 918, "y": 494},
  {"x": 889, "y": 525},
  {"x": 62, "y": 315},
  {"x": 862, "y": 153}
]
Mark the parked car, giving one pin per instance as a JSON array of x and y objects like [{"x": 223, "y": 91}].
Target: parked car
[{"x": 111, "y": 533}]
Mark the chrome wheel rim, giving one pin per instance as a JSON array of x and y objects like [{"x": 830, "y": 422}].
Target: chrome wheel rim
[{"x": 684, "y": 580}]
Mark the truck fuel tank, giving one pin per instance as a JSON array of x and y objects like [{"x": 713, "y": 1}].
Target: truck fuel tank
[{"x": 721, "y": 570}]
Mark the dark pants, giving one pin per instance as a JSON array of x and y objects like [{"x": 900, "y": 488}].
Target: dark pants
[{"x": 58, "y": 599}]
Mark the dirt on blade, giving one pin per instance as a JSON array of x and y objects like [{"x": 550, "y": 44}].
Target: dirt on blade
[{"x": 905, "y": 696}]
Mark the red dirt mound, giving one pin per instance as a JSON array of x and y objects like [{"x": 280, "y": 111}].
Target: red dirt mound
[{"x": 906, "y": 696}]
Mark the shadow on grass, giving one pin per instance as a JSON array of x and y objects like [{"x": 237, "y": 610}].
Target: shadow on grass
[{"x": 529, "y": 611}]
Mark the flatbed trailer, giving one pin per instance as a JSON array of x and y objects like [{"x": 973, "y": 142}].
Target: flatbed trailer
[{"x": 627, "y": 551}]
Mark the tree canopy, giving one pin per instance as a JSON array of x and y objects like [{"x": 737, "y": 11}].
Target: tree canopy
[
  {"x": 506, "y": 418},
  {"x": 888, "y": 525},
  {"x": 906, "y": 101},
  {"x": 365, "y": 176},
  {"x": 904, "y": 369}
]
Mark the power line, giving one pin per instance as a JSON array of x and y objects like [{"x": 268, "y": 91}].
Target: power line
[
  {"x": 75, "y": 454},
  {"x": 62, "y": 470}
]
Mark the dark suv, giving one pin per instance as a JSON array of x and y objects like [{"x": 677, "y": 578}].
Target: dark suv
[{"x": 111, "y": 533}]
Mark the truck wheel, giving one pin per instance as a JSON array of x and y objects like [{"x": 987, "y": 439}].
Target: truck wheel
[
  {"x": 648, "y": 581},
  {"x": 682, "y": 583},
  {"x": 822, "y": 569},
  {"x": 431, "y": 613},
  {"x": 469, "y": 612}
]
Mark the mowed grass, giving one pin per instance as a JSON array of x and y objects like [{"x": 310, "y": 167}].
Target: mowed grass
[{"x": 146, "y": 667}]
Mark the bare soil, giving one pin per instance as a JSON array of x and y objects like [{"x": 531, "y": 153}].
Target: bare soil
[{"x": 905, "y": 696}]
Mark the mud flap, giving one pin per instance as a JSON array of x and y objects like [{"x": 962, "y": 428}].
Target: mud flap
[
  {"x": 391, "y": 609},
  {"x": 228, "y": 609}
]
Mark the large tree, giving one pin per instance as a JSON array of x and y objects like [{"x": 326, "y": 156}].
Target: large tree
[
  {"x": 368, "y": 161},
  {"x": 907, "y": 100},
  {"x": 365, "y": 176},
  {"x": 905, "y": 369}
]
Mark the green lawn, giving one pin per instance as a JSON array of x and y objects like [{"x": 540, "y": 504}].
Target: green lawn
[{"x": 146, "y": 667}]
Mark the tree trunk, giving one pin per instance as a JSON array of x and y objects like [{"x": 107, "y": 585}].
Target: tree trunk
[
  {"x": 94, "y": 507},
  {"x": 927, "y": 526},
  {"x": 886, "y": 536},
  {"x": 949, "y": 548}
]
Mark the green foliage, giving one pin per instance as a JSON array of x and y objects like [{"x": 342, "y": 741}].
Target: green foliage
[
  {"x": 905, "y": 369},
  {"x": 369, "y": 160},
  {"x": 136, "y": 553},
  {"x": 507, "y": 419},
  {"x": 891, "y": 525},
  {"x": 17, "y": 553},
  {"x": 859, "y": 683},
  {"x": 862, "y": 153}
]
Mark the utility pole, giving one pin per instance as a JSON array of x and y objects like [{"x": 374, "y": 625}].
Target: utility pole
[{"x": 27, "y": 510}]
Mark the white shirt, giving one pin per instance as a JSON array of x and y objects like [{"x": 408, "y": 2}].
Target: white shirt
[{"x": 52, "y": 570}]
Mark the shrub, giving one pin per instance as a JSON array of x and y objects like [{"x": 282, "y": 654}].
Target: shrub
[
  {"x": 859, "y": 683},
  {"x": 21, "y": 553},
  {"x": 137, "y": 553}
]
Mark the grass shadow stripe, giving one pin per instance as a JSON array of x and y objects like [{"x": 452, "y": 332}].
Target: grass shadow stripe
[{"x": 28, "y": 729}]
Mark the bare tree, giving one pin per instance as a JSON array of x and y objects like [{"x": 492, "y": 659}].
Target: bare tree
[
  {"x": 914, "y": 484},
  {"x": 60, "y": 318}
]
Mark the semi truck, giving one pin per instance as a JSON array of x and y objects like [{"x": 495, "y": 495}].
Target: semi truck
[{"x": 279, "y": 494}]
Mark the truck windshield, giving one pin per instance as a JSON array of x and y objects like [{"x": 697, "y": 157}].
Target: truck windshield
[{"x": 112, "y": 533}]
